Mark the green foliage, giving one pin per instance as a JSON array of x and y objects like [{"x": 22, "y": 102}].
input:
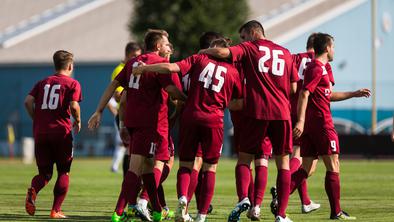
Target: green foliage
[{"x": 186, "y": 20}]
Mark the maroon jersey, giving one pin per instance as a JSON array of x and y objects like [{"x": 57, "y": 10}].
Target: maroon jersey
[
  {"x": 212, "y": 85},
  {"x": 301, "y": 61},
  {"x": 52, "y": 97},
  {"x": 318, "y": 82},
  {"x": 146, "y": 100},
  {"x": 268, "y": 70}
]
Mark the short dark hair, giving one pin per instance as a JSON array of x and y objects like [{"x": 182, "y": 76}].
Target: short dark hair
[
  {"x": 207, "y": 37},
  {"x": 321, "y": 41},
  {"x": 152, "y": 36},
  {"x": 221, "y": 42},
  {"x": 61, "y": 59},
  {"x": 131, "y": 47},
  {"x": 252, "y": 25},
  {"x": 311, "y": 39}
]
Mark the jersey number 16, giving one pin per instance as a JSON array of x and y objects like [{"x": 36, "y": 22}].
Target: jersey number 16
[{"x": 53, "y": 100}]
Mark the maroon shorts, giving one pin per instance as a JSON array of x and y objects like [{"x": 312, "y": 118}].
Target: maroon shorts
[
  {"x": 255, "y": 131},
  {"x": 191, "y": 137},
  {"x": 54, "y": 148},
  {"x": 149, "y": 142},
  {"x": 319, "y": 142}
]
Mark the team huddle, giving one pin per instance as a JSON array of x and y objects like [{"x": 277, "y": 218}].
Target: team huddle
[{"x": 279, "y": 104}]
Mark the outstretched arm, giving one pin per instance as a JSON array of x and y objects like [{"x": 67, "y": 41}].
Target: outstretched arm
[
  {"x": 95, "y": 119},
  {"x": 301, "y": 110},
  {"x": 221, "y": 53},
  {"x": 163, "y": 68},
  {"x": 340, "y": 96}
]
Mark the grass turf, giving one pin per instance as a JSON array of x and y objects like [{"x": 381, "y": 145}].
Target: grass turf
[{"x": 367, "y": 190}]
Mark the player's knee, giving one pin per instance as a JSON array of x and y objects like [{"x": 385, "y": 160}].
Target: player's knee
[
  {"x": 209, "y": 167},
  {"x": 261, "y": 162},
  {"x": 46, "y": 172}
]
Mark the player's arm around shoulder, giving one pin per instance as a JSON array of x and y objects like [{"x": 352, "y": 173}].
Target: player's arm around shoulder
[{"x": 29, "y": 105}]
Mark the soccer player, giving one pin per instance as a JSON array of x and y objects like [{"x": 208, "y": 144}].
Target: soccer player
[
  {"x": 301, "y": 60},
  {"x": 50, "y": 104},
  {"x": 213, "y": 82},
  {"x": 147, "y": 122},
  {"x": 320, "y": 137},
  {"x": 132, "y": 50},
  {"x": 268, "y": 69}
]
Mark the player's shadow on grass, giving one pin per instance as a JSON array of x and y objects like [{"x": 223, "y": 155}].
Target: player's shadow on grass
[{"x": 18, "y": 217}]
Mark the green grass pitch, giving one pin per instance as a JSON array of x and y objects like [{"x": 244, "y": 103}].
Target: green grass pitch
[{"x": 367, "y": 192}]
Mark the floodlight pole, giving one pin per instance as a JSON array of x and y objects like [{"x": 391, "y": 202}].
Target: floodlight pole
[{"x": 373, "y": 47}]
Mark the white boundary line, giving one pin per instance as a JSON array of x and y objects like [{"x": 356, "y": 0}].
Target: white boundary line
[
  {"x": 287, "y": 14},
  {"x": 53, "y": 23},
  {"x": 334, "y": 12}
]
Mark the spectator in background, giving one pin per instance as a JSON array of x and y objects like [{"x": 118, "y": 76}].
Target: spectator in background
[{"x": 132, "y": 50}]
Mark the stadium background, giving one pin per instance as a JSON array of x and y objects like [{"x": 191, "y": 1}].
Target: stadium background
[{"x": 96, "y": 36}]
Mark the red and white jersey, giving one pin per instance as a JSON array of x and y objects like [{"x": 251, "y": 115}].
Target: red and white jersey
[
  {"x": 52, "y": 97},
  {"x": 318, "y": 82},
  {"x": 268, "y": 70},
  {"x": 146, "y": 98},
  {"x": 213, "y": 83}
]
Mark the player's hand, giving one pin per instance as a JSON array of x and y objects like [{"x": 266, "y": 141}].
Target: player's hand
[
  {"x": 138, "y": 70},
  {"x": 362, "y": 93},
  {"x": 392, "y": 136},
  {"x": 124, "y": 135},
  {"x": 94, "y": 121},
  {"x": 76, "y": 127},
  {"x": 298, "y": 129},
  {"x": 202, "y": 51}
]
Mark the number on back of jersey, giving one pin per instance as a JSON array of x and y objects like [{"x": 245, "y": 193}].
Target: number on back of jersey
[
  {"x": 51, "y": 97},
  {"x": 209, "y": 74}
]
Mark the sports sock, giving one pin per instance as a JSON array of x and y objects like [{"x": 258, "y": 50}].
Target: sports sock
[
  {"x": 60, "y": 191},
  {"x": 160, "y": 190},
  {"x": 297, "y": 178},
  {"x": 128, "y": 194},
  {"x": 38, "y": 182},
  {"x": 150, "y": 183},
  {"x": 294, "y": 165},
  {"x": 183, "y": 181},
  {"x": 242, "y": 177},
  {"x": 283, "y": 188},
  {"x": 251, "y": 189},
  {"x": 207, "y": 190},
  {"x": 260, "y": 184},
  {"x": 333, "y": 190},
  {"x": 193, "y": 185},
  {"x": 303, "y": 192}
]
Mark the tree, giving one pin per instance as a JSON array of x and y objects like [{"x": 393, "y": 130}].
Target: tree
[{"x": 186, "y": 20}]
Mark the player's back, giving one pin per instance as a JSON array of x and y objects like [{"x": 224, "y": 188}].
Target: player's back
[
  {"x": 52, "y": 97},
  {"x": 268, "y": 69},
  {"x": 146, "y": 99},
  {"x": 213, "y": 83}
]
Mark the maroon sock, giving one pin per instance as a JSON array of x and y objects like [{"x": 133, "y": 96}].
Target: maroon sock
[
  {"x": 242, "y": 178},
  {"x": 60, "y": 191},
  {"x": 131, "y": 185},
  {"x": 333, "y": 190},
  {"x": 251, "y": 188},
  {"x": 260, "y": 184},
  {"x": 297, "y": 178},
  {"x": 294, "y": 165},
  {"x": 144, "y": 194},
  {"x": 303, "y": 192},
  {"x": 160, "y": 189},
  {"x": 197, "y": 191},
  {"x": 183, "y": 181},
  {"x": 192, "y": 185},
  {"x": 150, "y": 183},
  {"x": 283, "y": 187},
  {"x": 38, "y": 182},
  {"x": 207, "y": 190}
]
